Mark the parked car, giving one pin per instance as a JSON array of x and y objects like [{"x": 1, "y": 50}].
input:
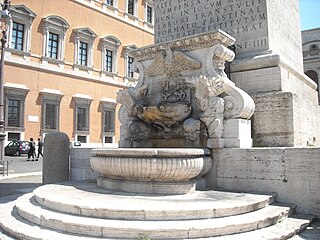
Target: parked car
[
  {"x": 75, "y": 144},
  {"x": 17, "y": 148}
]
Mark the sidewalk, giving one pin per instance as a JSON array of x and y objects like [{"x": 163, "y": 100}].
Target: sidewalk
[{"x": 17, "y": 184}]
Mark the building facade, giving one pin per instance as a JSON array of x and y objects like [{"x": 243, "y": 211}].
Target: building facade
[
  {"x": 65, "y": 62},
  {"x": 311, "y": 54}
]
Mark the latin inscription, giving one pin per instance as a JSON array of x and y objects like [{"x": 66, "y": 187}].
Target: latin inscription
[{"x": 246, "y": 20}]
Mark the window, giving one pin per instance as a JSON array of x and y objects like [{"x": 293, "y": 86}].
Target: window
[
  {"x": 53, "y": 46},
  {"x": 132, "y": 8},
  {"x": 83, "y": 53},
  {"x": 82, "y": 139},
  {"x": 129, "y": 67},
  {"x": 17, "y": 36},
  {"x": 14, "y": 136},
  {"x": 149, "y": 14},
  {"x": 15, "y": 95},
  {"x": 50, "y": 116},
  {"x": 54, "y": 30},
  {"x": 111, "y": 5},
  {"x": 20, "y": 29},
  {"x": 108, "y": 61},
  {"x": 129, "y": 61},
  {"x": 51, "y": 99},
  {"x": 108, "y": 119},
  {"x": 108, "y": 139},
  {"x": 84, "y": 39},
  {"x": 81, "y": 117},
  {"x": 14, "y": 109},
  {"x": 110, "y": 46},
  {"x": 314, "y": 47}
]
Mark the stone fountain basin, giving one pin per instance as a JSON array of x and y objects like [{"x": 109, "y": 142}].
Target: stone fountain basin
[{"x": 149, "y": 165}]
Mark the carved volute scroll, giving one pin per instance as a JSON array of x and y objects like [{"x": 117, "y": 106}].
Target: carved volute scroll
[{"x": 215, "y": 61}]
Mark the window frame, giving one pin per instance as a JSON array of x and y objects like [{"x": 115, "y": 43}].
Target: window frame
[
  {"x": 54, "y": 25},
  {"x": 16, "y": 92},
  {"x": 81, "y": 101},
  {"x": 25, "y": 16},
  {"x": 84, "y": 35},
  {"x": 50, "y": 96},
  {"x": 149, "y": 4},
  {"x": 127, "y": 55},
  {"x": 134, "y": 14},
  {"x": 110, "y": 43},
  {"x": 16, "y": 37},
  {"x": 108, "y": 105}
]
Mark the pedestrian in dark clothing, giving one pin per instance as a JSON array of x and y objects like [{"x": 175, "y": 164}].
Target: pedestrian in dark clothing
[
  {"x": 40, "y": 145},
  {"x": 32, "y": 149}
]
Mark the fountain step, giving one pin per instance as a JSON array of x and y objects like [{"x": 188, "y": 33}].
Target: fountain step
[
  {"x": 19, "y": 228},
  {"x": 282, "y": 230},
  {"x": 86, "y": 199},
  {"x": 28, "y": 209}
]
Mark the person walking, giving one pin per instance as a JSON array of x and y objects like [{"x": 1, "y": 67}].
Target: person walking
[
  {"x": 32, "y": 148},
  {"x": 40, "y": 145}
]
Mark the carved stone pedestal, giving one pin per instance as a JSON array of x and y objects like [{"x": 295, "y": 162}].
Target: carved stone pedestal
[{"x": 237, "y": 133}]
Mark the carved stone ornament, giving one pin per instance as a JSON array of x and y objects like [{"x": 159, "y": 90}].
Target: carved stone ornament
[
  {"x": 171, "y": 63},
  {"x": 182, "y": 94}
]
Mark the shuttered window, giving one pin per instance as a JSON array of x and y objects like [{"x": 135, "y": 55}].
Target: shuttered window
[
  {"x": 14, "y": 116},
  {"x": 108, "y": 121},
  {"x": 51, "y": 116},
  {"x": 82, "y": 119}
]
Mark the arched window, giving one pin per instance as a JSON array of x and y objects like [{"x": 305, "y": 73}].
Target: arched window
[{"x": 314, "y": 47}]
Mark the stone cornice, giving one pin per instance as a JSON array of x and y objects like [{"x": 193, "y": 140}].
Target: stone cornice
[{"x": 184, "y": 44}]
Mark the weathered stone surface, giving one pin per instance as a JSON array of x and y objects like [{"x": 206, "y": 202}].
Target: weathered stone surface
[
  {"x": 268, "y": 56},
  {"x": 80, "y": 168},
  {"x": 285, "y": 119},
  {"x": 55, "y": 166},
  {"x": 161, "y": 229},
  {"x": 291, "y": 172},
  {"x": 260, "y": 26}
]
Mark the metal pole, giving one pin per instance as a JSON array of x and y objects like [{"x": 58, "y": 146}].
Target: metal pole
[
  {"x": 2, "y": 132},
  {"x": 5, "y": 10}
]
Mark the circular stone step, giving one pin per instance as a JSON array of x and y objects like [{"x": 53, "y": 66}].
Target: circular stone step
[
  {"x": 86, "y": 199},
  {"x": 28, "y": 209}
]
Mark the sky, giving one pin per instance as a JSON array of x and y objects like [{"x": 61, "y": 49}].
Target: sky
[{"x": 310, "y": 14}]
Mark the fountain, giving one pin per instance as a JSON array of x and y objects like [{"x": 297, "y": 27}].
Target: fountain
[
  {"x": 182, "y": 106},
  {"x": 182, "y": 109}
]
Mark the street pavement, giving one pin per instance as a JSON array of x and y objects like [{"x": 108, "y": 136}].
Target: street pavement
[{"x": 23, "y": 176}]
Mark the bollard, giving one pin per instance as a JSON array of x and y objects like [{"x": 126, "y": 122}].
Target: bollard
[{"x": 55, "y": 166}]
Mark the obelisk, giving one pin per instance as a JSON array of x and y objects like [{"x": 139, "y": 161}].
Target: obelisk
[{"x": 268, "y": 65}]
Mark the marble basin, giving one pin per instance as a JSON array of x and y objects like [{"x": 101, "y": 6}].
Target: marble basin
[{"x": 150, "y": 170}]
